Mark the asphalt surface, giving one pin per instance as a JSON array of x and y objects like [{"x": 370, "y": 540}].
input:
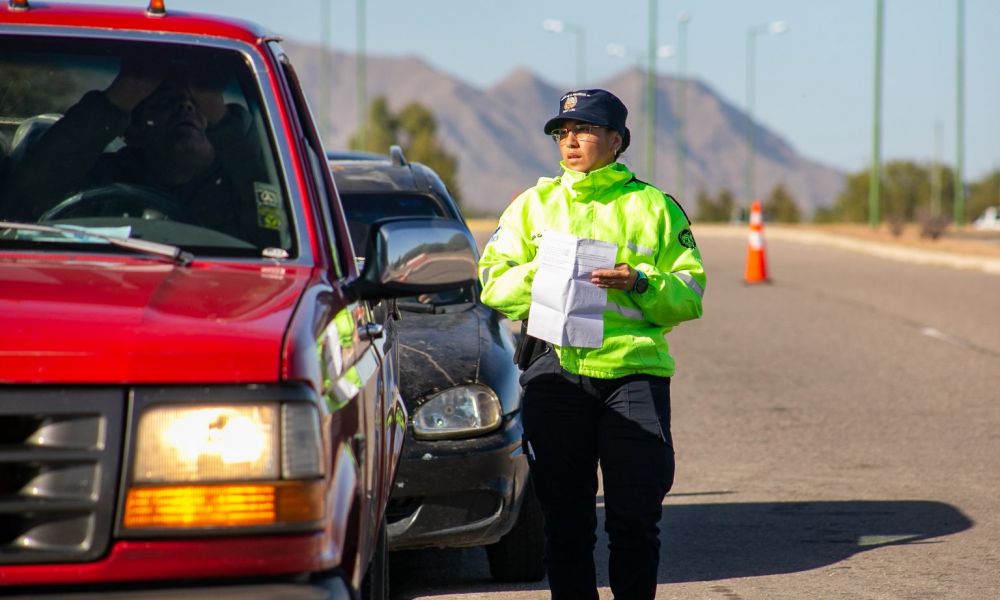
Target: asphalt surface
[{"x": 837, "y": 434}]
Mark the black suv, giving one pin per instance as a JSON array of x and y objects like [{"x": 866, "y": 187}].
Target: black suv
[{"x": 463, "y": 479}]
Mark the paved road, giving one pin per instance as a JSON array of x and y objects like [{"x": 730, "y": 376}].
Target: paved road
[{"x": 837, "y": 435}]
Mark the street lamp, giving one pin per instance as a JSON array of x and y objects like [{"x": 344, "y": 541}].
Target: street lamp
[
  {"x": 959, "y": 113},
  {"x": 324, "y": 69},
  {"x": 773, "y": 28},
  {"x": 559, "y": 26},
  {"x": 875, "y": 175},
  {"x": 652, "y": 19},
  {"x": 683, "y": 18},
  {"x": 663, "y": 51},
  {"x": 360, "y": 77}
]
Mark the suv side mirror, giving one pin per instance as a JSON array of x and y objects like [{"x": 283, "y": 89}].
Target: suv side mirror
[{"x": 406, "y": 257}]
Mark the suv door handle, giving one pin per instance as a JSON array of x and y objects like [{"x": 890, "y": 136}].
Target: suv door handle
[{"x": 370, "y": 331}]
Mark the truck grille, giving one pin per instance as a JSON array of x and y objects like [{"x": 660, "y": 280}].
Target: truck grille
[{"x": 59, "y": 461}]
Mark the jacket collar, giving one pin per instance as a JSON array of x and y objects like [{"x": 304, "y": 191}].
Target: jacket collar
[{"x": 577, "y": 183}]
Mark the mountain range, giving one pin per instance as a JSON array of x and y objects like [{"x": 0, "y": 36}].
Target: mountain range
[{"x": 496, "y": 133}]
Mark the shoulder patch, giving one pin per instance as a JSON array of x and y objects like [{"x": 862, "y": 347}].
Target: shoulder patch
[{"x": 686, "y": 239}]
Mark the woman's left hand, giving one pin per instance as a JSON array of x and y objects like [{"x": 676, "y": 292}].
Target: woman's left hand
[{"x": 622, "y": 277}]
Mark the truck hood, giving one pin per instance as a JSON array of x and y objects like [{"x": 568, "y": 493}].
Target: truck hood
[
  {"x": 436, "y": 352},
  {"x": 116, "y": 322}
]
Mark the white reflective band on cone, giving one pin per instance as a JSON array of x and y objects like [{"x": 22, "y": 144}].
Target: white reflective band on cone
[{"x": 756, "y": 240}]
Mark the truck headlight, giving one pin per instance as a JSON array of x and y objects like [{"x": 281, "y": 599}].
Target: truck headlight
[
  {"x": 218, "y": 443},
  {"x": 225, "y": 466},
  {"x": 458, "y": 412}
]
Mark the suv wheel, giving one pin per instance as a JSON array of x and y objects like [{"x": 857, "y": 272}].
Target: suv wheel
[
  {"x": 375, "y": 585},
  {"x": 518, "y": 556}
]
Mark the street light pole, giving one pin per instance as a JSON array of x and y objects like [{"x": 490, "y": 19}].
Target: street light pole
[
  {"x": 559, "y": 26},
  {"x": 360, "y": 77},
  {"x": 774, "y": 27},
  {"x": 324, "y": 67},
  {"x": 749, "y": 133},
  {"x": 959, "y": 113},
  {"x": 936, "y": 173},
  {"x": 875, "y": 177},
  {"x": 682, "y": 20},
  {"x": 620, "y": 51},
  {"x": 651, "y": 95}
]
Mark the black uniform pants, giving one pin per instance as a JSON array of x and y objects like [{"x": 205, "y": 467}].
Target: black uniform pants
[{"x": 573, "y": 422}]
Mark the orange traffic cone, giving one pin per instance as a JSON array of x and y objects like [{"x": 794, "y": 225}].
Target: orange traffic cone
[{"x": 756, "y": 271}]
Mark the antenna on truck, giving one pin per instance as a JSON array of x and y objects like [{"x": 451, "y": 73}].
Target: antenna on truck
[{"x": 396, "y": 156}]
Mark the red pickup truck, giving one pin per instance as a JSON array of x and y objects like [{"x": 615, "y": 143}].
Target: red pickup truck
[{"x": 198, "y": 380}]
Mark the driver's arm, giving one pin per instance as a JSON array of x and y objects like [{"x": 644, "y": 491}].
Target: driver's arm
[
  {"x": 61, "y": 161},
  {"x": 64, "y": 159}
]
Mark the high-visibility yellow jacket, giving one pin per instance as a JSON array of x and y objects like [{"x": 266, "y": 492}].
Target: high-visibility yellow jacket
[{"x": 653, "y": 235}]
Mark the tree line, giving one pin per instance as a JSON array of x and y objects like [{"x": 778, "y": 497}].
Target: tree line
[
  {"x": 910, "y": 192},
  {"x": 779, "y": 207},
  {"x": 414, "y": 129}
]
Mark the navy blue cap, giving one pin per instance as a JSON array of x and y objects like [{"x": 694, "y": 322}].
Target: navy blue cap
[{"x": 599, "y": 107}]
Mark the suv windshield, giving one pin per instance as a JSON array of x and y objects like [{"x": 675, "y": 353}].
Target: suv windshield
[{"x": 159, "y": 142}]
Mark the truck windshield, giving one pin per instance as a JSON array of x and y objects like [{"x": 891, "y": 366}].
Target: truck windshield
[{"x": 161, "y": 142}]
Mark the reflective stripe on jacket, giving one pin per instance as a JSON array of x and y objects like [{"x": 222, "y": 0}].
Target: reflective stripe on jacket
[{"x": 653, "y": 236}]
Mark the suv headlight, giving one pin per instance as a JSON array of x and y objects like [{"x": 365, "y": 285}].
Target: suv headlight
[
  {"x": 458, "y": 412},
  {"x": 232, "y": 465}
]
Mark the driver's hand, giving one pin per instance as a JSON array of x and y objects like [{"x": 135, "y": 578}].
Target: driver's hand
[{"x": 135, "y": 82}]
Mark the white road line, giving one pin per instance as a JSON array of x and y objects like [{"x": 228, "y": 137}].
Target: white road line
[{"x": 944, "y": 337}]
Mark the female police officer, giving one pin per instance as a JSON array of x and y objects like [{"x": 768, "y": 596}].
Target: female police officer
[{"x": 611, "y": 404}]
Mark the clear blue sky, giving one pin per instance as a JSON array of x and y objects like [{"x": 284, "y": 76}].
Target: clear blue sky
[{"x": 814, "y": 83}]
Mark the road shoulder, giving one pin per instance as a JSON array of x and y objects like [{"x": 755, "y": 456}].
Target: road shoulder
[{"x": 956, "y": 253}]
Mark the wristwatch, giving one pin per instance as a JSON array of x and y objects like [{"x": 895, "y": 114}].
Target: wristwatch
[{"x": 641, "y": 283}]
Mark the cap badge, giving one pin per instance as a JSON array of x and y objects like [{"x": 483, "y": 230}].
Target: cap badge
[{"x": 569, "y": 103}]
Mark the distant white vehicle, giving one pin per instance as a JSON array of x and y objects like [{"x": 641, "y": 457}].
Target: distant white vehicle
[{"x": 990, "y": 219}]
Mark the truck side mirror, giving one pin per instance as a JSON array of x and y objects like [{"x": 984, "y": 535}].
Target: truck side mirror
[{"x": 406, "y": 257}]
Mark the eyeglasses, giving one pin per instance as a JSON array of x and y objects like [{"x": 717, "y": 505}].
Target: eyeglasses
[{"x": 584, "y": 132}]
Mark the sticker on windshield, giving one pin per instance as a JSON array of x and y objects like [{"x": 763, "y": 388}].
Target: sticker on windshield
[{"x": 269, "y": 213}]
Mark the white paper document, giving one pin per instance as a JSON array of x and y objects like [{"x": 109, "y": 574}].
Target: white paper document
[{"x": 566, "y": 309}]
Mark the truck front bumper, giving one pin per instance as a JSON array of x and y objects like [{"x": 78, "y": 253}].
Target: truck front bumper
[{"x": 331, "y": 588}]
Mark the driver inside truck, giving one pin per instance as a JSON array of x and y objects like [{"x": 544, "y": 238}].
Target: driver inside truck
[{"x": 186, "y": 155}]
